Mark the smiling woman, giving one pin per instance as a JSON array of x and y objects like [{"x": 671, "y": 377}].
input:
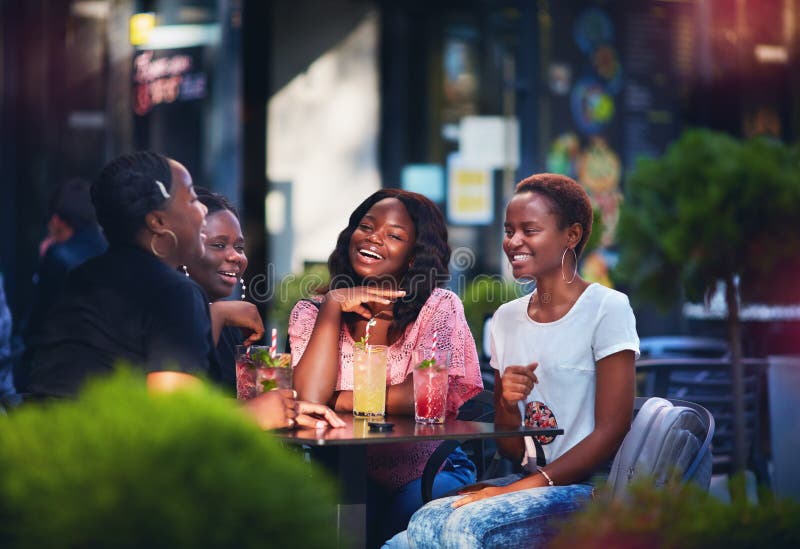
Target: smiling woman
[
  {"x": 386, "y": 271},
  {"x": 220, "y": 269}
]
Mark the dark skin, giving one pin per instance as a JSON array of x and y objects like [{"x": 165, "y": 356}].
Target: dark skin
[
  {"x": 184, "y": 216},
  {"x": 380, "y": 252},
  {"x": 534, "y": 244}
]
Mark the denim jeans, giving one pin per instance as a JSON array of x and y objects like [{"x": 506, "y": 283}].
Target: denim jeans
[
  {"x": 525, "y": 519},
  {"x": 390, "y": 511}
]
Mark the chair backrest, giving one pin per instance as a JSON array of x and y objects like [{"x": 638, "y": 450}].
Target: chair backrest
[
  {"x": 667, "y": 439},
  {"x": 708, "y": 382}
]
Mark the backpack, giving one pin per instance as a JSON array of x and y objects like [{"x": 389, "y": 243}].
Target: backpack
[{"x": 666, "y": 440}]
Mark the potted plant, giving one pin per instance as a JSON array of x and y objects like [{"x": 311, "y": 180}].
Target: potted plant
[{"x": 713, "y": 208}]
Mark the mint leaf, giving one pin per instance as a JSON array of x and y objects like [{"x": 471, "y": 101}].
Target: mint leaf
[
  {"x": 269, "y": 384},
  {"x": 427, "y": 363}
]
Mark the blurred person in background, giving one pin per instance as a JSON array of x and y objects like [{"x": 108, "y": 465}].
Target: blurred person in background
[
  {"x": 73, "y": 237},
  {"x": 6, "y": 385}
]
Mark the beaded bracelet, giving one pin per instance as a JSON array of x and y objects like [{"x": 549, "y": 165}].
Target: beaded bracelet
[{"x": 546, "y": 476}]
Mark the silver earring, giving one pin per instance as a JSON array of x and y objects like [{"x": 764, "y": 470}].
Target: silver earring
[
  {"x": 244, "y": 287},
  {"x": 575, "y": 272},
  {"x": 185, "y": 270}
]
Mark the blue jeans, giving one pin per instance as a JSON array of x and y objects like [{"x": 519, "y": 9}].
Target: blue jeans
[
  {"x": 524, "y": 519},
  {"x": 392, "y": 510}
]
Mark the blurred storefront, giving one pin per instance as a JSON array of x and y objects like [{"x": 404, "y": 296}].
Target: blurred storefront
[{"x": 299, "y": 109}]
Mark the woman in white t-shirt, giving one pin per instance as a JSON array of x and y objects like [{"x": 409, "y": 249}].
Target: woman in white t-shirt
[{"x": 564, "y": 357}]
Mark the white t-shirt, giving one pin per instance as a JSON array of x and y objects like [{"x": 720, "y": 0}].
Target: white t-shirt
[{"x": 599, "y": 324}]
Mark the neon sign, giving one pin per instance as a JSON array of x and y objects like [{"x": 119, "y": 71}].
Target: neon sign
[{"x": 164, "y": 80}]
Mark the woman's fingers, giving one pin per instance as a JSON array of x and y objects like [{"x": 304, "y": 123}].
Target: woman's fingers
[{"x": 328, "y": 416}]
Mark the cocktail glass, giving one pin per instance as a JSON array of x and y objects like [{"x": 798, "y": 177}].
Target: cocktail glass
[
  {"x": 369, "y": 380},
  {"x": 430, "y": 384},
  {"x": 245, "y": 374},
  {"x": 272, "y": 372}
]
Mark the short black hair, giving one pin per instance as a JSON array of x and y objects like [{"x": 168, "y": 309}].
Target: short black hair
[
  {"x": 71, "y": 201},
  {"x": 569, "y": 199},
  {"x": 215, "y": 202},
  {"x": 126, "y": 190}
]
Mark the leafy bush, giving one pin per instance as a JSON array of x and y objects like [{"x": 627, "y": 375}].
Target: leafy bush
[
  {"x": 483, "y": 295},
  {"x": 682, "y": 516},
  {"x": 292, "y": 289},
  {"x": 121, "y": 468}
]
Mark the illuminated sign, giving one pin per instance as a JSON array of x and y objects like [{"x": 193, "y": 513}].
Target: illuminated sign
[{"x": 168, "y": 78}]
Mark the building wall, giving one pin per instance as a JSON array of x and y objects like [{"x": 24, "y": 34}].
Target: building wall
[{"x": 323, "y": 123}]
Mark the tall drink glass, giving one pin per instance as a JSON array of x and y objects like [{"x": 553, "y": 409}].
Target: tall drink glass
[
  {"x": 369, "y": 380},
  {"x": 430, "y": 384},
  {"x": 272, "y": 372},
  {"x": 245, "y": 374}
]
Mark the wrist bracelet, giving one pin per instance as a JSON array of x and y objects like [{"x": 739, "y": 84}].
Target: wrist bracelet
[{"x": 546, "y": 476}]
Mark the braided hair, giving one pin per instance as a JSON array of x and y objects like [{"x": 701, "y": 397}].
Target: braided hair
[
  {"x": 127, "y": 190},
  {"x": 215, "y": 202},
  {"x": 431, "y": 254}
]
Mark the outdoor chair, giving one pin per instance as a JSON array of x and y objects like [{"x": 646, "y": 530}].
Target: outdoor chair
[
  {"x": 667, "y": 438},
  {"x": 707, "y": 381}
]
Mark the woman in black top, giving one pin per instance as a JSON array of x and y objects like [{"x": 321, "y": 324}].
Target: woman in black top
[
  {"x": 219, "y": 270},
  {"x": 131, "y": 304}
]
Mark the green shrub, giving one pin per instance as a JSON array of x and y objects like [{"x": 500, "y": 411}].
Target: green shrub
[
  {"x": 293, "y": 288},
  {"x": 681, "y": 516},
  {"x": 121, "y": 468},
  {"x": 483, "y": 295}
]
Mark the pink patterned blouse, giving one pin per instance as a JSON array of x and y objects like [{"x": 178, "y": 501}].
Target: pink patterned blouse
[{"x": 394, "y": 465}]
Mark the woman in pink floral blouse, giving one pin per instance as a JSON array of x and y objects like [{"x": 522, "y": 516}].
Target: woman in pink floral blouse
[{"x": 387, "y": 267}]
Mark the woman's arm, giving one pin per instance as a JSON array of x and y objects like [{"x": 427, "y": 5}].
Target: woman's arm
[
  {"x": 240, "y": 314},
  {"x": 316, "y": 371},
  {"x": 613, "y": 406},
  {"x": 399, "y": 399}
]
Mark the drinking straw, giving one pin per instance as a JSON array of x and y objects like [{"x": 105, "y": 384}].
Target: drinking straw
[
  {"x": 372, "y": 322},
  {"x": 273, "y": 348},
  {"x": 433, "y": 347}
]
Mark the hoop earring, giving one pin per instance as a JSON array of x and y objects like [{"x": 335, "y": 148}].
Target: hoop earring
[
  {"x": 153, "y": 247},
  {"x": 574, "y": 272}
]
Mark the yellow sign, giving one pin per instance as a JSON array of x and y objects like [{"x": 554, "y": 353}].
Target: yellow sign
[
  {"x": 470, "y": 196},
  {"x": 141, "y": 27}
]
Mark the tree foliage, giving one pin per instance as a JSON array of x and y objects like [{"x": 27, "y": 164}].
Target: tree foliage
[{"x": 712, "y": 207}]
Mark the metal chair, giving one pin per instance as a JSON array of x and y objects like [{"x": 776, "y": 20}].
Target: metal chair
[
  {"x": 707, "y": 382},
  {"x": 682, "y": 346}
]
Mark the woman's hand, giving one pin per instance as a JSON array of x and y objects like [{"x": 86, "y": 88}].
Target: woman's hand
[
  {"x": 278, "y": 409},
  {"x": 355, "y": 300},
  {"x": 318, "y": 416},
  {"x": 477, "y": 493},
  {"x": 273, "y": 409},
  {"x": 241, "y": 314},
  {"x": 518, "y": 382}
]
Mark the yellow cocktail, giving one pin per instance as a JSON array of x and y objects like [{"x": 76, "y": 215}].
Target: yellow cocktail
[{"x": 369, "y": 380}]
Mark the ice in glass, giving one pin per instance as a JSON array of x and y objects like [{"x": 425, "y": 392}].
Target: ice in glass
[
  {"x": 430, "y": 384},
  {"x": 369, "y": 380}
]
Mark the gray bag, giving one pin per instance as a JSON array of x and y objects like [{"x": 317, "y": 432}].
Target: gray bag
[{"x": 665, "y": 441}]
